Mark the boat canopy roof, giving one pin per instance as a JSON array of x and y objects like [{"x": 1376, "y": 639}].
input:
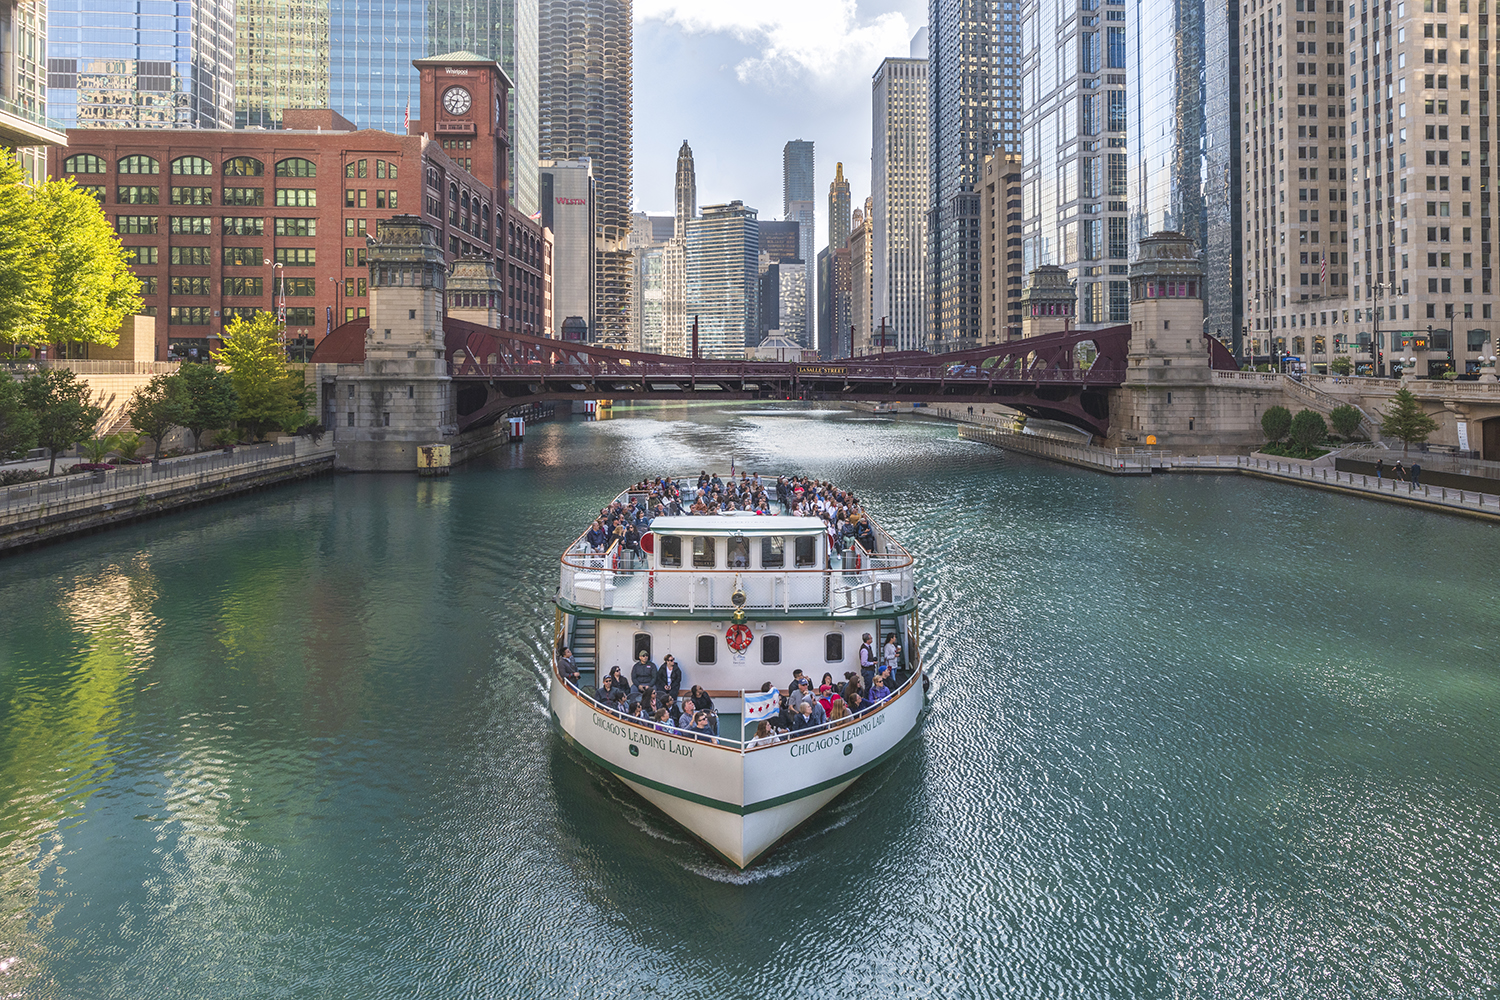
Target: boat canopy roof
[{"x": 744, "y": 524}]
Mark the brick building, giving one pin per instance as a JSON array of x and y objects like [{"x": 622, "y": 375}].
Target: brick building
[{"x": 221, "y": 222}]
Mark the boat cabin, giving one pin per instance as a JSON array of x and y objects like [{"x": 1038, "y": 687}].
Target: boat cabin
[{"x": 732, "y": 542}]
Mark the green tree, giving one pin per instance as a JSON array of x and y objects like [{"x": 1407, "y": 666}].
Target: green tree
[
  {"x": 270, "y": 395},
  {"x": 209, "y": 398},
  {"x": 1308, "y": 430},
  {"x": 1275, "y": 422},
  {"x": 1406, "y": 421},
  {"x": 1345, "y": 420},
  {"x": 23, "y": 269},
  {"x": 1341, "y": 365},
  {"x": 96, "y": 448},
  {"x": 64, "y": 408},
  {"x": 91, "y": 288},
  {"x": 127, "y": 444},
  {"x": 18, "y": 427},
  {"x": 157, "y": 407}
]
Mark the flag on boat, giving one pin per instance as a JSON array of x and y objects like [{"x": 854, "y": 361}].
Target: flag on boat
[{"x": 760, "y": 704}]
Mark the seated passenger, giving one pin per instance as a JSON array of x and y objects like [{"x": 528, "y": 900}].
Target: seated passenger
[
  {"x": 685, "y": 720},
  {"x": 669, "y": 678},
  {"x": 605, "y": 691},
  {"x": 663, "y": 719},
  {"x": 621, "y": 684},
  {"x": 801, "y": 694},
  {"x": 879, "y": 692},
  {"x": 855, "y": 700},
  {"x": 701, "y": 729},
  {"x": 838, "y": 711},
  {"x": 802, "y": 718},
  {"x": 763, "y": 735},
  {"x": 700, "y": 698}
]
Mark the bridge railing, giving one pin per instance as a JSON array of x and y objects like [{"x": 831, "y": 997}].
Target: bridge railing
[{"x": 759, "y": 370}]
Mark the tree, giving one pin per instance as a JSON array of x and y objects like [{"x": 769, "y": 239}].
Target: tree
[
  {"x": 91, "y": 286},
  {"x": 157, "y": 407},
  {"x": 1406, "y": 420},
  {"x": 64, "y": 408},
  {"x": 96, "y": 448},
  {"x": 18, "y": 426},
  {"x": 1341, "y": 365},
  {"x": 270, "y": 395},
  {"x": 1307, "y": 430},
  {"x": 209, "y": 399},
  {"x": 23, "y": 268},
  {"x": 1275, "y": 422},
  {"x": 1345, "y": 420}
]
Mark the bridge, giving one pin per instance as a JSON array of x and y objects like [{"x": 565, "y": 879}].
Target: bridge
[{"x": 494, "y": 370}]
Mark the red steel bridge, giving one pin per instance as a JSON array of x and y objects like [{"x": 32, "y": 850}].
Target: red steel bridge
[{"x": 1040, "y": 376}]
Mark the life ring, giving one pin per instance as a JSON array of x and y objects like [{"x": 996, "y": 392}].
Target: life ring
[{"x": 739, "y": 637}]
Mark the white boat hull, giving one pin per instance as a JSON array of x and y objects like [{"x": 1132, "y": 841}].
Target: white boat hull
[{"x": 738, "y": 802}]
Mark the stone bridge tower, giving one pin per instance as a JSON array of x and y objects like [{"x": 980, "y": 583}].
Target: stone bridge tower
[
  {"x": 1049, "y": 304},
  {"x": 404, "y": 397}
]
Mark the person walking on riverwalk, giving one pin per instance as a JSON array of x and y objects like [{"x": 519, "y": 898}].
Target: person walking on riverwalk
[
  {"x": 1398, "y": 472},
  {"x": 1379, "y": 469},
  {"x": 1416, "y": 470}
]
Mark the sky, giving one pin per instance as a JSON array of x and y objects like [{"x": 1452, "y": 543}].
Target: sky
[{"x": 739, "y": 78}]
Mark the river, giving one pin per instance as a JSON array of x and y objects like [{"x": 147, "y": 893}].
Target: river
[{"x": 1188, "y": 737}]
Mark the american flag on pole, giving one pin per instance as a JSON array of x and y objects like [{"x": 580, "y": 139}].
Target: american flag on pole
[{"x": 406, "y": 120}]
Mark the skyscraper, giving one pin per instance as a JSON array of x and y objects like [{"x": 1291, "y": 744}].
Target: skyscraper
[
  {"x": 674, "y": 321},
  {"x": 505, "y": 31},
  {"x": 799, "y": 205},
  {"x": 281, "y": 59},
  {"x": 973, "y": 107},
  {"x": 841, "y": 277},
  {"x": 24, "y": 126},
  {"x": 684, "y": 190},
  {"x": 568, "y": 200},
  {"x": 723, "y": 269},
  {"x": 1184, "y": 158},
  {"x": 1074, "y": 162},
  {"x": 371, "y": 47},
  {"x": 898, "y": 191},
  {"x": 123, "y": 64},
  {"x": 862, "y": 281},
  {"x": 584, "y": 100}
]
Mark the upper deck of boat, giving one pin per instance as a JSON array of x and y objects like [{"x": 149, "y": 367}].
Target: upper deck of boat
[{"x": 767, "y": 562}]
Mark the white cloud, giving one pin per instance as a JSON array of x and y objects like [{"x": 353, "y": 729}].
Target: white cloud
[{"x": 822, "y": 39}]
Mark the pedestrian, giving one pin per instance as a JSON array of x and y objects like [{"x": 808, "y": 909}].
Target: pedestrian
[
  {"x": 1416, "y": 470},
  {"x": 1398, "y": 472},
  {"x": 1379, "y": 469}
]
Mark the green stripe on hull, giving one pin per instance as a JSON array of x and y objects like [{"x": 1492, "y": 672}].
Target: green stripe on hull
[{"x": 730, "y": 807}]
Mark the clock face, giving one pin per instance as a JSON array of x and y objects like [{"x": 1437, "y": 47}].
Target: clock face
[{"x": 456, "y": 100}]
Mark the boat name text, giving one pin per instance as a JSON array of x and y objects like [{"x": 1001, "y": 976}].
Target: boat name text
[
  {"x": 838, "y": 738},
  {"x": 645, "y": 739}
]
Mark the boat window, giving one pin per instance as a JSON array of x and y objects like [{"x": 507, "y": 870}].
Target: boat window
[
  {"x": 772, "y": 552},
  {"x": 739, "y": 553},
  {"x": 703, "y": 552},
  {"x": 806, "y": 551},
  {"x": 770, "y": 649},
  {"x": 671, "y": 550},
  {"x": 642, "y": 645},
  {"x": 708, "y": 648},
  {"x": 833, "y": 647}
]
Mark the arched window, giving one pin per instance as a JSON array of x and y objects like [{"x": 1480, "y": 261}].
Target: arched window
[
  {"x": 138, "y": 165},
  {"x": 244, "y": 166},
  {"x": 296, "y": 167},
  {"x": 83, "y": 163},
  {"x": 192, "y": 166}
]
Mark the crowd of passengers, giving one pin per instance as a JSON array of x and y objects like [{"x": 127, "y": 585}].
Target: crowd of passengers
[
  {"x": 653, "y": 695},
  {"x": 624, "y": 522}
]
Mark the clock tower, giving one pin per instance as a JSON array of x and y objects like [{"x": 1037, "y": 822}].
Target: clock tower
[{"x": 464, "y": 110}]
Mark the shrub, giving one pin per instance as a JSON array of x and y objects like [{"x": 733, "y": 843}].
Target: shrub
[
  {"x": 1345, "y": 420},
  {"x": 1307, "y": 430},
  {"x": 1275, "y": 423}
]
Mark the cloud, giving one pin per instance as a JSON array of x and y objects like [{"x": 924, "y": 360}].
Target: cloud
[{"x": 796, "y": 39}]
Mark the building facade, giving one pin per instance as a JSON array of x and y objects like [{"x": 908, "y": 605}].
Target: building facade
[
  {"x": 1075, "y": 155},
  {"x": 1184, "y": 172},
  {"x": 840, "y": 223},
  {"x": 281, "y": 59},
  {"x": 799, "y": 204},
  {"x": 567, "y": 192},
  {"x": 723, "y": 266},
  {"x": 973, "y": 107},
  {"x": 24, "y": 125},
  {"x": 899, "y": 193},
  {"x": 783, "y": 301},
  {"x": 372, "y": 45},
  {"x": 584, "y": 101},
  {"x": 862, "y": 283},
  {"x": 1000, "y": 248},
  {"x": 221, "y": 223},
  {"x": 121, "y": 64}
]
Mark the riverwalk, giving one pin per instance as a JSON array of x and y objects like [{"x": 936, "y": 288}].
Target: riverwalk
[
  {"x": 1126, "y": 462},
  {"x": 63, "y": 506}
]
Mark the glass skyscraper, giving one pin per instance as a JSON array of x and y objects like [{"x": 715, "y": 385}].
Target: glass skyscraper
[
  {"x": 799, "y": 205},
  {"x": 281, "y": 59},
  {"x": 1184, "y": 173},
  {"x": 371, "y": 48},
  {"x": 723, "y": 279},
  {"x": 141, "y": 63}
]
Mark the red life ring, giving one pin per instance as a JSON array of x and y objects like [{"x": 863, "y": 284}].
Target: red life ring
[{"x": 739, "y": 637}]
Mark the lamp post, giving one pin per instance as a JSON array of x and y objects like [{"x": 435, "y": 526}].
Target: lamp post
[{"x": 338, "y": 301}]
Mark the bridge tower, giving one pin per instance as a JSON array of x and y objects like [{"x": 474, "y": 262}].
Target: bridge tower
[
  {"x": 403, "y": 398},
  {"x": 476, "y": 294},
  {"x": 1050, "y": 302}
]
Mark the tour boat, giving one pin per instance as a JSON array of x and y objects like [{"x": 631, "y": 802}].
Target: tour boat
[{"x": 739, "y": 599}]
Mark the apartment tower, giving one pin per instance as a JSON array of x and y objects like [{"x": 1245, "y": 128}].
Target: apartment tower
[{"x": 898, "y": 192}]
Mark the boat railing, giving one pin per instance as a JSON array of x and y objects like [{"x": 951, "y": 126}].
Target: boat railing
[
  {"x": 741, "y": 746},
  {"x": 612, "y": 580}
]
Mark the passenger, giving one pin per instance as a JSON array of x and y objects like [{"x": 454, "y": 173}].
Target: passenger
[
  {"x": 801, "y": 694},
  {"x": 879, "y": 692},
  {"x": 567, "y": 667},
  {"x": 856, "y": 701},
  {"x": 669, "y": 678},
  {"x": 701, "y": 729},
  {"x": 867, "y": 658},
  {"x": 685, "y": 720},
  {"x": 701, "y": 699},
  {"x": 605, "y": 692},
  {"x": 826, "y": 698},
  {"x": 827, "y": 680},
  {"x": 642, "y": 677},
  {"x": 763, "y": 735},
  {"x": 663, "y": 720},
  {"x": 621, "y": 704},
  {"x": 838, "y": 711},
  {"x": 802, "y": 718},
  {"x": 816, "y": 711},
  {"x": 892, "y": 654}
]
